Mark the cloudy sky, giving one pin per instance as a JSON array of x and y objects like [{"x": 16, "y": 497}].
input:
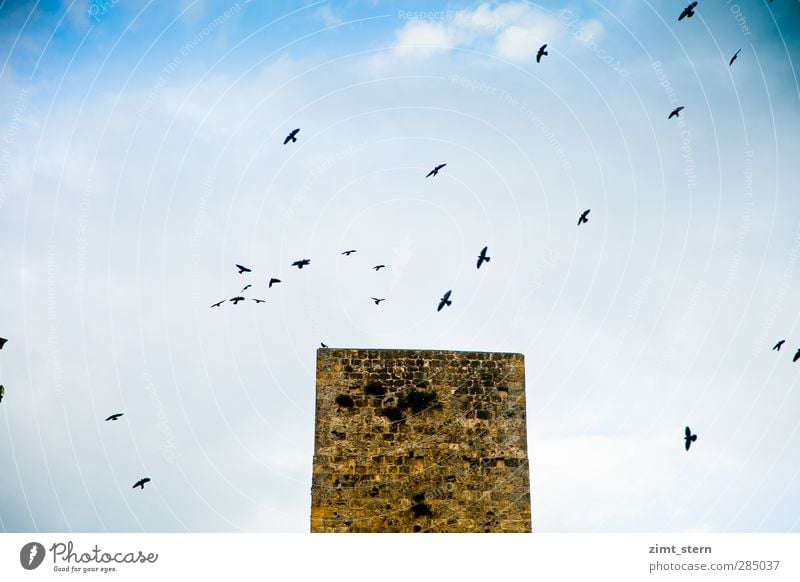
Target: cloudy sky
[{"x": 142, "y": 157}]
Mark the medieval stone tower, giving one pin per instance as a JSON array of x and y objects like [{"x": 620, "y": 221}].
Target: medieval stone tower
[{"x": 420, "y": 441}]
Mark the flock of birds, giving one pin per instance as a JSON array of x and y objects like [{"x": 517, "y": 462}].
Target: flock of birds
[{"x": 300, "y": 263}]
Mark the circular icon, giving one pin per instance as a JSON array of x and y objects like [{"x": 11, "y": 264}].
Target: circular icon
[{"x": 31, "y": 555}]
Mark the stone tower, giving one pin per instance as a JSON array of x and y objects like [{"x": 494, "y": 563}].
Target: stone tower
[{"x": 425, "y": 441}]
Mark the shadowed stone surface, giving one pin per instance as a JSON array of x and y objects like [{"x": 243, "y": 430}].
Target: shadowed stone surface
[{"x": 413, "y": 440}]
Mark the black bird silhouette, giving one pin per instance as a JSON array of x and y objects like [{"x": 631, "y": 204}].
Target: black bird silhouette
[
  {"x": 301, "y": 263},
  {"x": 689, "y": 438},
  {"x": 796, "y": 356},
  {"x": 322, "y": 345},
  {"x": 236, "y": 299},
  {"x": 141, "y": 482},
  {"x": 243, "y": 269},
  {"x": 675, "y": 112},
  {"x": 115, "y": 416},
  {"x": 733, "y": 58},
  {"x": 583, "y": 216},
  {"x": 445, "y": 300},
  {"x": 778, "y": 345},
  {"x": 2, "y": 392},
  {"x": 273, "y": 280},
  {"x": 245, "y": 288},
  {"x": 292, "y": 136},
  {"x": 259, "y": 300},
  {"x": 688, "y": 12},
  {"x": 482, "y": 258},
  {"x": 435, "y": 171},
  {"x": 2, "y": 342},
  {"x": 350, "y": 252},
  {"x": 541, "y": 53},
  {"x": 218, "y": 303},
  {"x": 378, "y": 267},
  {"x": 377, "y": 301}
]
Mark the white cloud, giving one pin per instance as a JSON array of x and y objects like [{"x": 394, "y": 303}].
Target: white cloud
[
  {"x": 420, "y": 38},
  {"x": 512, "y": 31},
  {"x": 517, "y": 44}
]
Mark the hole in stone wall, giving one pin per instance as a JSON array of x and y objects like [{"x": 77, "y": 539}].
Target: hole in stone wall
[
  {"x": 392, "y": 413},
  {"x": 420, "y": 508},
  {"x": 375, "y": 389},
  {"x": 344, "y": 401},
  {"x": 418, "y": 400},
  {"x": 417, "y": 527}
]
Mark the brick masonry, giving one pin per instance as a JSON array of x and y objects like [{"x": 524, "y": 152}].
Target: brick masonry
[{"x": 413, "y": 440}]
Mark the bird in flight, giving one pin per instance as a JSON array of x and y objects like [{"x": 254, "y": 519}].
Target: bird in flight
[
  {"x": 245, "y": 288},
  {"x": 733, "y": 58},
  {"x": 435, "y": 171},
  {"x": 115, "y": 416},
  {"x": 482, "y": 258},
  {"x": 689, "y": 438},
  {"x": 378, "y": 267},
  {"x": 688, "y": 12},
  {"x": 322, "y": 345},
  {"x": 218, "y": 303},
  {"x": 2, "y": 392},
  {"x": 377, "y": 301},
  {"x": 273, "y": 280},
  {"x": 2, "y": 342},
  {"x": 778, "y": 345},
  {"x": 141, "y": 482},
  {"x": 796, "y": 356},
  {"x": 583, "y": 216},
  {"x": 236, "y": 299},
  {"x": 445, "y": 300},
  {"x": 292, "y": 136},
  {"x": 259, "y": 300},
  {"x": 542, "y": 53},
  {"x": 243, "y": 269},
  {"x": 301, "y": 263},
  {"x": 348, "y": 253},
  {"x": 675, "y": 112}
]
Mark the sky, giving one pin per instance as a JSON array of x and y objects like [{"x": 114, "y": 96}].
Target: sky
[{"x": 142, "y": 157}]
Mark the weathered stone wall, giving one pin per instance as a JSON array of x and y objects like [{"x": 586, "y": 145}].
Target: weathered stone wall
[{"x": 411, "y": 440}]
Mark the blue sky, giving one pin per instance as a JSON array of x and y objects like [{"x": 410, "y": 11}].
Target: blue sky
[{"x": 142, "y": 157}]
